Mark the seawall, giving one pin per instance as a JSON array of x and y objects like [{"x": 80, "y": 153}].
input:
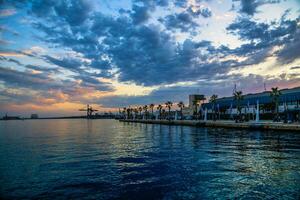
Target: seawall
[{"x": 264, "y": 125}]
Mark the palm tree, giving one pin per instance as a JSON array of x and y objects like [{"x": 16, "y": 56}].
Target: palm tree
[
  {"x": 181, "y": 106},
  {"x": 128, "y": 110},
  {"x": 195, "y": 105},
  {"x": 159, "y": 108},
  {"x": 238, "y": 96},
  {"x": 136, "y": 111},
  {"x": 213, "y": 100},
  {"x": 275, "y": 94},
  {"x": 140, "y": 110},
  {"x": 124, "y": 112},
  {"x": 151, "y": 106},
  {"x": 169, "y": 106},
  {"x": 145, "y": 109},
  {"x": 163, "y": 113}
]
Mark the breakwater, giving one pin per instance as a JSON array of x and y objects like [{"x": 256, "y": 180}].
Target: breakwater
[{"x": 263, "y": 125}]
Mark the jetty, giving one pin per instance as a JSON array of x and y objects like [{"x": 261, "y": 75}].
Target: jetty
[{"x": 262, "y": 125}]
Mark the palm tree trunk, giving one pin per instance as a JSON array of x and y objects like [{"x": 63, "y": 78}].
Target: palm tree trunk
[{"x": 181, "y": 113}]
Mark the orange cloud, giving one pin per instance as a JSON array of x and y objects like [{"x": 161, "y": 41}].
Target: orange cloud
[{"x": 11, "y": 54}]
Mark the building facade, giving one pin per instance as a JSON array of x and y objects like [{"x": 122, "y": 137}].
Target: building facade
[{"x": 289, "y": 104}]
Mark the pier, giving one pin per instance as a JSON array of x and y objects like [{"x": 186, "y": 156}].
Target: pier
[{"x": 262, "y": 125}]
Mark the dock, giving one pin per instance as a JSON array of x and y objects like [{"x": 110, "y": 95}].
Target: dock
[{"x": 253, "y": 125}]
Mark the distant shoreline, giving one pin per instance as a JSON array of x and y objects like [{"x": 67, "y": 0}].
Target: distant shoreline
[{"x": 68, "y": 117}]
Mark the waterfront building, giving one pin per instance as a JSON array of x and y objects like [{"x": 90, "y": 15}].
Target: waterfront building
[
  {"x": 195, "y": 101},
  {"x": 289, "y": 104},
  {"x": 199, "y": 98}
]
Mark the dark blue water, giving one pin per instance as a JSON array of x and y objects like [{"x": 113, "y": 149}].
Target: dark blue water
[{"x": 106, "y": 159}]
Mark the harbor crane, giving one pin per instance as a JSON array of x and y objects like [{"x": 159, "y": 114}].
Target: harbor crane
[{"x": 89, "y": 111}]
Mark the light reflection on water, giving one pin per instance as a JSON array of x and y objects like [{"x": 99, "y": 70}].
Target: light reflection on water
[{"x": 106, "y": 159}]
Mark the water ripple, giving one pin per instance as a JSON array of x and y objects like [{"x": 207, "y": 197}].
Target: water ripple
[{"x": 105, "y": 159}]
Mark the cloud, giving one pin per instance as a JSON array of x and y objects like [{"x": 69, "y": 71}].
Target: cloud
[
  {"x": 73, "y": 12},
  {"x": 15, "y": 96},
  {"x": 247, "y": 29},
  {"x": 21, "y": 79},
  {"x": 263, "y": 35},
  {"x": 295, "y": 67},
  {"x": 249, "y": 7},
  {"x": 73, "y": 64},
  {"x": 181, "y": 3},
  {"x": 42, "y": 68},
  {"x": 5, "y": 42},
  {"x": 7, "y": 12},
  {"x": 14, "y": 61},
  {"x": 140, "y": 14},
  {"x": 88, "y": 81},
  {"x": 148, "y": 55},
  {"x": 42, "y": 82},
  {"x": 76, "y": 65},
  {"x": 290, "y": 51},
  {"x": 180, "y": 21},
  {"x": 11, "y": 54},
  {"x": 199, "y": 11},
  {"x": 5, "y": 29}
]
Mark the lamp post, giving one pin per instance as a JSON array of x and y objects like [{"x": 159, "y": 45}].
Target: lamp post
[{"x": 257, "y": 111}]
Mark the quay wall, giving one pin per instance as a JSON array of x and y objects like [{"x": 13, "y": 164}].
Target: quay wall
[{"x": 222, "y": 124}]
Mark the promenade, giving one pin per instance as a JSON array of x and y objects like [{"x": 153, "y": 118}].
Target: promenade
[{"x": 261, "y": 125}]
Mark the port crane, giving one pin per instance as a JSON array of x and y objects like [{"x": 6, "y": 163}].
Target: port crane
[{"x": 89, "y": 111}]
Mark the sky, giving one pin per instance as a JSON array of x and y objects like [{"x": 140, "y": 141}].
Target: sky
[{"x": 56, "y": 56}]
